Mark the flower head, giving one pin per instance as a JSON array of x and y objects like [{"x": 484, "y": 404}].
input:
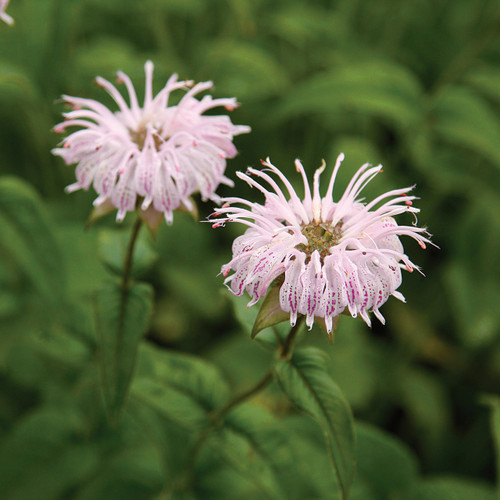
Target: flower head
[
  {"x": 325, "y": 255},
  {"x": 3, "y": 15},
  {"x": 156, "y": 154}
]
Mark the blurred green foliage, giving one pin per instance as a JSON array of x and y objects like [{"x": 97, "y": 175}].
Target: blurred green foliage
[{"x": 414, "y": 85}]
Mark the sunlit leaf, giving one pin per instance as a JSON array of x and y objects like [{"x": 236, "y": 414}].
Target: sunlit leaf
[
  {"x": 122, "y": 317},
  {"x": 306, "y": 381}
]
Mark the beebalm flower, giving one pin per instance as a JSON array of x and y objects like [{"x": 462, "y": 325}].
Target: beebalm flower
[
  {"x": 155, "y": 154},
  {"x": 3, "y": 15},
  {"x": 326, "y": 256}
]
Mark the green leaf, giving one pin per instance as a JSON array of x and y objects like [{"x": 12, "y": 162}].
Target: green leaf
[
  {"x": 135, "y": 473},
  {"x": 486, "y": 80},
  {"x": 113, "y": 246},
  {"x": 426, "y": 402},
  {"x": 121, "y": 318},
  {"x": 449, "y": 488},
  {"x": 473, "y": 296},
  {"x": 268, "y": 441},
  {"x": 41, "y": 459},
  {"x": 174, "y": 404},
  {"x": 385, "y": 463},
  {"x": 375, "y": 88},
  {"x": 238, "y": 68},
  {"x": 466, "y": 120},
  {"x": 270, "y": 312},
  {"x": 102, "y": 56},
  {"x": 494, "y": 403},
  {"x": 305, "y": 380},
  {"x": 189, "y": 374},
  {"x": 181, "y": 387},
  {"x": 303, "y": 24},
  {"x": 28, "y": 239},
  {"x": 237, "y": 452},
  {"x": 16, "y": 83}
]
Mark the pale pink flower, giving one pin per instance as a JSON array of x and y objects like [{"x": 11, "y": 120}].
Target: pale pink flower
[
  {"x": 325, "y": 255},
  {"x": 155, "y": 154},
  {"x": 3, "y": 15}
]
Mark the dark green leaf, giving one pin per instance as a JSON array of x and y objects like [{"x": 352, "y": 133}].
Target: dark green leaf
[
  {"x": 133, "y": 474},
  {"x": 41, "y": 459},
  {"x": 426, "y": 403},
  {"x": 449, "y": 488},
  {"x": 494, "y": 403},
  {"x": 306, "y": 381},
  {"x": 121, "y": 318},
  {"x": 28, "y": 239},
  {"x": 385, "y": 463}
]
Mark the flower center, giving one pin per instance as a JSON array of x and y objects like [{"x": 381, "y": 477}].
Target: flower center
[
  {"x": 320, "y": 237},
  {"x": 139, "y": 137}
]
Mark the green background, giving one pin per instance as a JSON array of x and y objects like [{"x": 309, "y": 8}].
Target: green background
[{"x": 414, "y": 85}]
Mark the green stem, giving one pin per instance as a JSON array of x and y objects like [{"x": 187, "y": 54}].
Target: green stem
[
  {"x": 127, "y": 267},
  {"x": 286, "y": 349},
  {"x": 218, "y": 416},
  {"x": 125, "y": 285}
]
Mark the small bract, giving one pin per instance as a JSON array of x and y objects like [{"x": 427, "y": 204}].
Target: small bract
[
  {"x": 325, "y": 256},
  {"x": 154, "y": 155}
]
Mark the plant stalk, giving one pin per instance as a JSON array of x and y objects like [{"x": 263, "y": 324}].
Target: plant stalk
[
  {"x": 217, "y": 417},
  {"x": 127, "y": 266}
]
